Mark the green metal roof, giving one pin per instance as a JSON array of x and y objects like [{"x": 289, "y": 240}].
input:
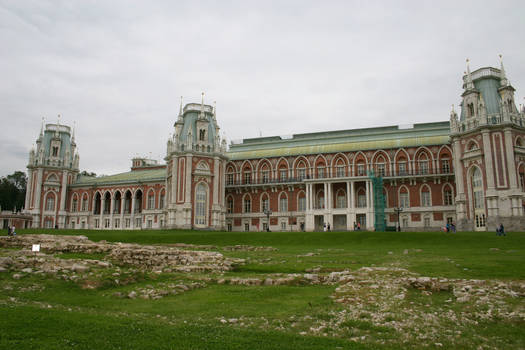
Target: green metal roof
[
  {"x": 143, "y": 175},
  {"x": 342, "y": 141}
]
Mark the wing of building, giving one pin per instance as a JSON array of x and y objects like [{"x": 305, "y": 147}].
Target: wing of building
[{"x": 468, "y": 171}]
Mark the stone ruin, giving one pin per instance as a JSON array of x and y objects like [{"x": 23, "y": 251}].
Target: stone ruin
[{"x": 147, "y": 257}]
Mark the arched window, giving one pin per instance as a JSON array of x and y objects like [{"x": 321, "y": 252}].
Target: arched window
[
  {"x": 74, "y": 203},
  {"x": 50, "y": 202},
  {"x": 380, "y": 166},
  {"x": 247, "y": 172},
  {"x": 518, "y": 142},
  {"x": 202, "y": 135},
  {"x": 425, "y": 197},
  {"x": 301, "y": 201},
  {"x": 340, "y": 199},
  {"x": 470, "y": 108},
  {"x": 265, "y": 203},
  {"x": 340, "y": 168},
  {"x": 423, "y": 164},
  {"x": 402, "y": 166},
  {"x": 200, "y": 204},
  {"x": 229, "y": 202},
  {"x": 247, "y": 204},
  {"x": 448, "y": 196},
  {"x": 404, "y": 199},
  {"x": 230, "y": 173},
  {"x": 360, "y": 168},
  {"x": 84, "y": 202},
  {"x": 265, "y": 173},
  {"x": 151, "y": 200},
  {"x": 301, "y": 171},
  {"x": 283, "y": 202},
  {"x": 320, "y": 200},
  {"x": 361, "y": 198},
  {"x": 162, "y": 199},
  {"x": 479, "y": 198}
]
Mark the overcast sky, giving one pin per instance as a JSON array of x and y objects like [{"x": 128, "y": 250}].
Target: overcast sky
[{"x": 118, "y": 68}]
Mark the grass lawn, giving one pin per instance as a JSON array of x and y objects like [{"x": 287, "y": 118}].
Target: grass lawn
[{"x": 379, "y": 311}]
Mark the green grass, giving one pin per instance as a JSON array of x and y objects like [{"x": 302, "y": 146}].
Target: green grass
[{"x": 272, "y": 316}]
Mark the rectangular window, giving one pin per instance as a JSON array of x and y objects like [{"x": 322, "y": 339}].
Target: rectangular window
[
  {"x": 97, "y": 223},
  {"x": 161, "y": 201},
  {"x": 83, "y": 224},
  {"x": 445, "y": 166},
  {"x": 360, "y": 170},
  {"x": 403, "y": 200},
  {"x": 117, "y": 223},
  {"x": 265, "y": 226},
  {"x": 229, "y": 179},
  {"x": 405, "y": 222},
  {"x": 138, "y": 223},
  {"x": 340, "y": 171},
  {"x": 402, "y": 169},
  {"x": 84, "y": 204},
  {"x": 426, "y": 222},
  {"x": 151, "y": 202},
  {"x": 283, "y": 225},
  {"x": 302, "y": 204},
  {"x": 150, "y": 223},
  {"x": 128, "y": 223},
  {"x": 229, "y": 227},
  {"x": 361, "y": 200},
  {"x": 320, "y": 172},
  {"x": 230, "y": 205},
  {"x": 106, "y": 223},
  {"x": 449, "y": 221},
  {"x": 246, "y": 227},
  {"x": 72, "y": 224}
]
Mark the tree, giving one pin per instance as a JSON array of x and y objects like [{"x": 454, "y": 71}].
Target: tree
[
  {"x": 87, "y": 173},
  {"x": 13, "y": 190}
]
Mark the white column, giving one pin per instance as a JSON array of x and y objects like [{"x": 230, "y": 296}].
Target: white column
[
  {"x": 27, "y": 205},
  {"x": 348, "y": 196},
  {"x": 330, "y": 201},
  {"x": 132, "y": 211},
  {"x": 352, "y": 194},
  {"x": 308, "y": 197},
  {"x": 325, "y": 195},
  {"x": 509, "y": 150}
]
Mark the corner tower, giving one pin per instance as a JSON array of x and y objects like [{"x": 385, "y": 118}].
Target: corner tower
[
  {"x": 489, "y": 154},
  {"x": 53, "y": 165},
  {"x": 196, "y": 162}
]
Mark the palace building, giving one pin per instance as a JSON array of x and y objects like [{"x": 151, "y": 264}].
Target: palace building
[{"x": 469, "y": 170}]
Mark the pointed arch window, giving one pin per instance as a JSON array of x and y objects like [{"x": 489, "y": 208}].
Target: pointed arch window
[
  {"x": 247, "y": 204},
  {"x": 151, "y": 200},
  {"x": 340, "y": 168},
  {"x": 477, "y": 186},
  {"x": 74, "y": 203},
  {"x": 448, "y": 197},
  {"x": 230, "y": 205},
  {"x": 423, "y": 164},
  {"x": 340, "y": 199},
  {"x": 265, "y": 204},
  {"x": 301, "y": 202},
  {"x": 50, "y": 202},
  {"x": 425, "y": 197},
  {"x": 200, "y": 205},
  {"x": 84, "y": 202},
  {"x": 283, "y": 203},
  {"x": 402, "y": 166},
  {"x": 404, "y": 199}
]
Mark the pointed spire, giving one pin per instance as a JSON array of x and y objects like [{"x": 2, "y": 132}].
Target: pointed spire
[
  {"x": 470, "y": 84},
  {"x": 73, "y": 133},
  {"x": 201, "y": 116},
  {"x": 57, "y": 134},
  {"x": 42, "y": 127},
  {"x": 504, "y": 81},
  {"x": 215, "y": 110},
  {"x": 180, "y": 109}
]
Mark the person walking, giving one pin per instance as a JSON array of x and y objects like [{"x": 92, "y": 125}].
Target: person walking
[
  {"x": 328, "y": 227},
  {"x": 8, "y": 230},
  {"x": 324, "y": 227}
]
